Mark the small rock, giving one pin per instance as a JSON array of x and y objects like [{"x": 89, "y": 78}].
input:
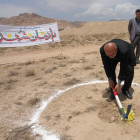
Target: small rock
[{"x": 112, "y": 119}]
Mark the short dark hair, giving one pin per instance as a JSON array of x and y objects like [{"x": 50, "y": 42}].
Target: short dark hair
[{"x": 138, "y": 10}]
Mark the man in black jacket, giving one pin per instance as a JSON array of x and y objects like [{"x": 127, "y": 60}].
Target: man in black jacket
[{"x": 112, "y": 53}]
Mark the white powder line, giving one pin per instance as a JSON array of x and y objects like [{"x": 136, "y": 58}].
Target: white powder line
[
  {"x": 136, "y": 84},
  {"x": 38, "y": 129}
]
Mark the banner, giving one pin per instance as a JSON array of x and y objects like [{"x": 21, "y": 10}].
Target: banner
[{"x": 16, "y": 36}]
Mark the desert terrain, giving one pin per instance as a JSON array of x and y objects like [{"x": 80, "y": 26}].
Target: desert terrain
[{"x": 33, "y": 75}]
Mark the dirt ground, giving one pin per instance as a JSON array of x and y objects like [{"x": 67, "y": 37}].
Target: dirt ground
[{"x": 32, "y": 74}]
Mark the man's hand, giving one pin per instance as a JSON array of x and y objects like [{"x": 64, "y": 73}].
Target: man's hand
[
  {"x": 111, "y": 84},
  {"x": 117, "y": 87}
]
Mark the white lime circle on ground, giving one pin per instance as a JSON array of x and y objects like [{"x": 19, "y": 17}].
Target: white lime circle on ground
[{"x": 38, "y": 129}]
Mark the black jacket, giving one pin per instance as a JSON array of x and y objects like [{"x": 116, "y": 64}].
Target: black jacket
[{"x": 125, "y": 55}]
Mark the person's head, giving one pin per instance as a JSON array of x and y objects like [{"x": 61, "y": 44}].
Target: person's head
[
  {"x": 138, "y": 14},
  {"x": 110, "y": 49}
]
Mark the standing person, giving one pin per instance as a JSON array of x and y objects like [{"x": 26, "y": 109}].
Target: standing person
[
  {"x": 112, "y": 53},
  {"x": 134, "y": 32}
]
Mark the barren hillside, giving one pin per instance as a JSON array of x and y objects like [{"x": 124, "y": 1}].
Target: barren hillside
[
  {"x": 100, "y": 28},
  {"x": 34, "y": 19}
]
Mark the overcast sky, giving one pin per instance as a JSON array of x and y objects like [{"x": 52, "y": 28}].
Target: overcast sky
[{"x": 72, "y": 10}]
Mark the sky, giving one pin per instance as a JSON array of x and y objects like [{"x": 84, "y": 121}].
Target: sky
[{"x": 72, "y": 10}]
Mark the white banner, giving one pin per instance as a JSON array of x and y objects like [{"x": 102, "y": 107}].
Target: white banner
[{"x": 16, "y": 36}]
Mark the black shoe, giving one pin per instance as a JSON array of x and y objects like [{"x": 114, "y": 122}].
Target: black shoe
[
  {"x": 127, "y": 93},
  {"x": 112, "y": 97}
]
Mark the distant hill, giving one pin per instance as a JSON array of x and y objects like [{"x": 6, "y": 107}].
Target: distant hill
[
  {"x": 1, "y": 18},
  {"x": 27, "y": 19},
  {"x": 104, "y": 27},
  {"x": 117, "y": 20},
  {"x": 79, "y": 23}
]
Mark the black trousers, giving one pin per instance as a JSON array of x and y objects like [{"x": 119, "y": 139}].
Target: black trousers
[{"x": 127, "y": 78}]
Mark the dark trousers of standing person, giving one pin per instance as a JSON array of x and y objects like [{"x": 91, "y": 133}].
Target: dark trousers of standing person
[
  {"x": 128, "y": 76},
  {"x": 136, "y": 45}
]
